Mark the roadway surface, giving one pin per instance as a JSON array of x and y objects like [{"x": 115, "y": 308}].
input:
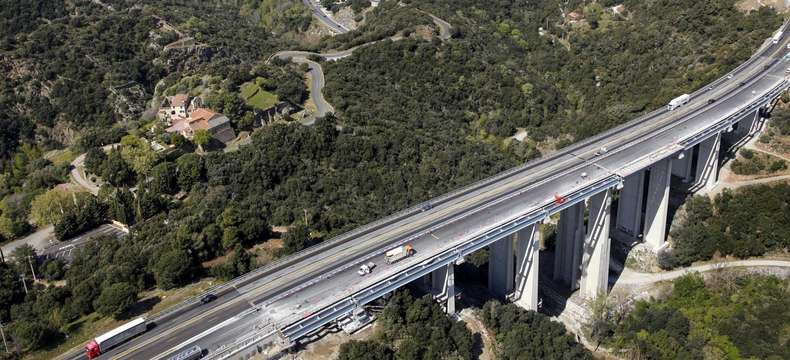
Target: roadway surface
[
  {"x": 48, "y": 246},
  {"x": 322, "y": 16},
  {"x": 307, "y": 282}
]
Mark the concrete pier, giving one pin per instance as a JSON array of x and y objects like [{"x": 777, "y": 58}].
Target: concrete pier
[
  {"x": 657, "y": 203},
  {"x": 501, "y": 267},
  {"x": 525, "y": 293},
  {"x": 595, "y": 260},
  {"x": 568, "y": 250}
]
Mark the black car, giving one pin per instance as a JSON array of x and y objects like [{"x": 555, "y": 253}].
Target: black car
[{"x": 208, "y": 298}]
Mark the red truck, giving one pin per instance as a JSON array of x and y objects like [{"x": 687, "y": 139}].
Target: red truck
[{"x": 104, "y": 342}]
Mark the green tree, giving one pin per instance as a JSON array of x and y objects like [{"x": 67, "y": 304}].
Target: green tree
[
  {"x": 201, "y": 137},
  {"x": 116, "y": 171},
  {"x": 174, "y": 268},
  {"x": 94, "y": 160},
  {"x": 190, "y": 170},
  {"x": 116, "y": 299},
  {"x": 163, "y": 178},
  {"x": 364, "y": 350},
  {"x": 49, "y": 207}
]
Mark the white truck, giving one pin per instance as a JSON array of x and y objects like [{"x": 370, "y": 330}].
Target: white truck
[
  {"x": 399, "y": 253},
  {"x": 116, "y": 336},
  {"x": 678, "y": 102},
  {"x": 777, "y": 37}
]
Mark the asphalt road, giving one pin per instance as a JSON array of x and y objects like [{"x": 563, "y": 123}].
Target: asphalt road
[
  {"x": 322, "y": 16},
  {"x": 290, "y": 293},
  {"x": 48, "y": 246}
]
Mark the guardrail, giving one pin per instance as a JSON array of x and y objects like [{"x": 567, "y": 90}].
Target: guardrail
[{"x": 345, "y": 306}]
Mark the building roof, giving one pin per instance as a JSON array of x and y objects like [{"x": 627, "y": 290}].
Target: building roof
[
  {"x": 179, "y": 125},
  {"x": 202, "y": 113},
  {"x": 178, "y": 100}
]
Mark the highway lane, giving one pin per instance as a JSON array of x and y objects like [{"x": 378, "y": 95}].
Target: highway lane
[{"x": 348, "y": 253}]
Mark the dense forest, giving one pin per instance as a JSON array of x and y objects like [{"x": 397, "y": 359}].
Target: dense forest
[
  {"x": 525, "y": 334},
  {"x": 747, "y": 222},
  {"x": 412, "y": 328},
  {"x": 726, "y": 316},
  {"x": 415, "y": 118}
]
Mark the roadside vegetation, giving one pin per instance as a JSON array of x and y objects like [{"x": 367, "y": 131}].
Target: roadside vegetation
[
  {"x": 412, "y": 328},
  {"x": 523, "y": 334},
  {"x": 747, "y": 222},
  {"x": 725, "y": 316},
  {"x": 752, "y": 162}
]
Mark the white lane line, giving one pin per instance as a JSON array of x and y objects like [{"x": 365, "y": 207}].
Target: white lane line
[{"x": 200, "y": 336}]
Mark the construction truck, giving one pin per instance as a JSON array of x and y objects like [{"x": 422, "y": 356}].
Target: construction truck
[
  {"x": 114, "y": 337},
  {"x": 399, "y": 253}
]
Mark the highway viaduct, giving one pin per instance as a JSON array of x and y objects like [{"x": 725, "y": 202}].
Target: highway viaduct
[
  {"x": 634, "y": 162},
  {"x": 301, "y": 294}
]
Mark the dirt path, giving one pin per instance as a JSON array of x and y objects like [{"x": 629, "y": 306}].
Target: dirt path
[
  {"x": 488, "y": 342},
  {"x": 635, "y": 278}
]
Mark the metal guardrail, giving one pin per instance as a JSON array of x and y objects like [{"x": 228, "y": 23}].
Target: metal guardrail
[{"x": 343, "y": 307}]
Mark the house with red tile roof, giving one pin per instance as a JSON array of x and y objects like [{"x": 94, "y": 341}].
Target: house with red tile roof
[{"x": 218, "y": 125}]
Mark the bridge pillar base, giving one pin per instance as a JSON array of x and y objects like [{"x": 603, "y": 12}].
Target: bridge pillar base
[
  {"x": 527, "y": 260},
  {"x": 568, "y": 250},
  {"x": 657, "y": 203},
  {"x": 595, "y": 261}
]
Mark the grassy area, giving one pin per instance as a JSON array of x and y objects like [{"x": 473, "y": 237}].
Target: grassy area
[
  {"x": 256, "y": 97},
  {"x": 61, "y": 157},
  {"x": 84, "y": 329},
  {"x": 751, "y": 162}
]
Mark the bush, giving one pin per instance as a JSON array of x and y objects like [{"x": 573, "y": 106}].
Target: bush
[{"x": 116, "y": 300}]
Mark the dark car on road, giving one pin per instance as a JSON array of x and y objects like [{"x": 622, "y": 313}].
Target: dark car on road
[{"x": 208, "y": 298}]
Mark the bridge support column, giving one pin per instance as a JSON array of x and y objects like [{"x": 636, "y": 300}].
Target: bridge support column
[
  {"x": 708, "y": 163},
  {"x": 657, "y": 203},
  {"x": 527, "y": 256},
  {"x": 501, "y": 267},
  {"x": 595, "y": 261},
  {"x": 681, "y": 166},
  {"x": 444, "y": 286},
  {"x": 629, "y": 208},
  {"x": 568, "y": 251}
]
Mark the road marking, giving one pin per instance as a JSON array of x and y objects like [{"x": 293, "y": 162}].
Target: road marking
[{"x": 198, "y": 336}]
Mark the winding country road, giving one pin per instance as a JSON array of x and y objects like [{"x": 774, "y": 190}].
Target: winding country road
[{"x": 317, "y": 72}]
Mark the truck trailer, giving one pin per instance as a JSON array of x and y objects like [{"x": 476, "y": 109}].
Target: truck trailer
[
  {"x": 777, "y": 37},
  {"x": 114, "y": 337},
  {"x": 399, "y": 253},
  {"x": 678, "y": 102}
]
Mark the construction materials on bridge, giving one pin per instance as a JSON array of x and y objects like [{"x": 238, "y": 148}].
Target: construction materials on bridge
[
  {"x": 116, "y": 336},
  {"x": 399, "y": 253}
]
